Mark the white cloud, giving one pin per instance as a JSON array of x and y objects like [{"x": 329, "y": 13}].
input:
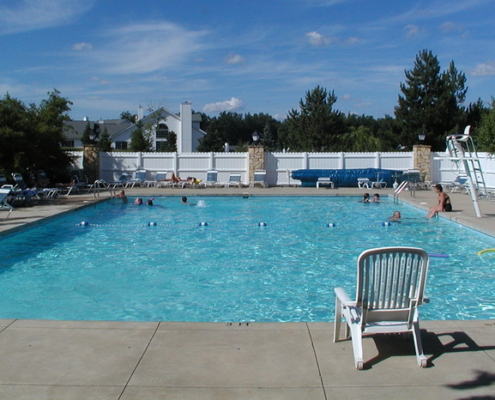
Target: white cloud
[
  {"x": 82, "y": 46},
  {"x": 483, "y": 69},
  {"x": 352, "y": 40},
  {"x": 233, "y": 104},
  {"x": 451, "y": 27},
  {"x": 317, "y": 39},
  {"x": 100, "y": 81},
  {"x": 147, "y": 47},
  {"x": 412, "y": 30},
  {"x": 28, "y": 15},
  {"x": 234, "y": 59}
]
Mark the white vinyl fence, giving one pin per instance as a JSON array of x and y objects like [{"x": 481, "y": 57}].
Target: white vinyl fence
[{"x": 278, "y": 165}]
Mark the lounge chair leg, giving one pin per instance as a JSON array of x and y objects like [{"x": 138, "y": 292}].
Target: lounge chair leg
[
  {"x": 357, "y": 347},
  {"x": 418, "y": 346},
  {"x": 338, "y": 319}
]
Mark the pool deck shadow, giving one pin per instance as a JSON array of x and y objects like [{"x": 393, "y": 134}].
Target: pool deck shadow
[{"x": 43, "y": 359}]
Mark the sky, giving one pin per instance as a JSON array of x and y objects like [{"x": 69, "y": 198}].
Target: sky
[{"x": 243, "y": 56}]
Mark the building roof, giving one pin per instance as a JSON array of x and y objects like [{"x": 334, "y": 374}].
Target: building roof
[{"x": 74, "y": 130}]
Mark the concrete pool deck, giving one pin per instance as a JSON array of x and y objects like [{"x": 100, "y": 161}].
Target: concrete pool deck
[{"x": 42, "y": 359}]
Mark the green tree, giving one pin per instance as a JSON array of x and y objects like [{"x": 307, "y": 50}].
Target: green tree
[
  {"x": 316, "y": 126},
  {"x": 85, "y": 137},
  {"x": 430, "y": 101},
  {"x": 267, "y": 138},
  {"x": 128, "y": 116},
  {"x": 105, "y": 143},
  {"x": 15, "y": 123},
  {"x": 211, "y": 142},
  {"x": 32, "y": 137},
  {"x": 485, "y": 137},
  {"x": 360, "y": 139},
  {"x": 140, "y": 141}
]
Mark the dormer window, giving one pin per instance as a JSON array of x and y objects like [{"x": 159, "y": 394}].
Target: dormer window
[{"x": 162, "y": 131}]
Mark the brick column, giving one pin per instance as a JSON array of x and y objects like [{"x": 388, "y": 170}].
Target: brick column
[
  {"x": 256, "y": 159},
  {"x": 91, "y": 162},
  {"x": 422, "y": 160}
]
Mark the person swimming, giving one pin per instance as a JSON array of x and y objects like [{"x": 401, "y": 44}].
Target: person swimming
[
  {"x": 121, "y": 195},
  {"x": 395, "y": 216},
  {"x": 184, "y": 201}
]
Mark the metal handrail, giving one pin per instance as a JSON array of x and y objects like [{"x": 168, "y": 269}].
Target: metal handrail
[{"x": 403, "y": 185}]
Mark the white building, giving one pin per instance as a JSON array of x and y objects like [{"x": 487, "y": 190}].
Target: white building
[{"x": 162, "y": 125}]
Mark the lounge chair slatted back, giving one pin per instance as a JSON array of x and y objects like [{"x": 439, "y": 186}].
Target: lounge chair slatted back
[
  {"x": 389, "y": 281},
  {"x": 390, "y": 287},
  {"x": 259, "y": 178}
]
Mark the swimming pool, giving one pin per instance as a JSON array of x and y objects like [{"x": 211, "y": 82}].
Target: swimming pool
[{"x": 214, "y": 262}]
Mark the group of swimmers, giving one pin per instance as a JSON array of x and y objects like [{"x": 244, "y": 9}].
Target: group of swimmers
[
  {"x": 139, "y": 201},
  {"x": 444, "y": 203},
  {"x": 367, "y": 199}
]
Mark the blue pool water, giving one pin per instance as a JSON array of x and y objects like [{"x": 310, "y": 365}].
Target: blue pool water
[{"x": 117, "y": 267}]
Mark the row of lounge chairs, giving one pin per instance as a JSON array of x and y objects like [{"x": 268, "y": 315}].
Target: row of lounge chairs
[
  {"x": 167, "y": 179},
  {"x": 19, "y": 192}
]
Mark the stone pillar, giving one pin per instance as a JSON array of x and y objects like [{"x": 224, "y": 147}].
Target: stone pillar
[
  {"x": 422, "y": 160},
  {"x": 91, "y": 162},
  {"x": 256, "y": 159}
]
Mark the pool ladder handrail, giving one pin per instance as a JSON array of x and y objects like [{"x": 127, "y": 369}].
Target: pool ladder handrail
[
  {"x": 100, "y": 185},
  {"x": 403, "y": 185}
]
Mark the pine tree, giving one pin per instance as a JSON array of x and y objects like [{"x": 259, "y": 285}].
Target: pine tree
[
  {"x": 430, "y": 103},
  {"x": 85, "y": 140},
  {"x": 486, "y": 132},
  {"x": 267, "y": 139},
  {"x": 316, "y": 126},
  {"x": 212, "y": 141},
  {"x": 139, "y": 141},
  {"x": 105, "y": 143}
]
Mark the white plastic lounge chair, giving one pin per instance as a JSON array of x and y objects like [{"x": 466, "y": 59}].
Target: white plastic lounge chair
[
  {"x": 364, "y": 183},
  {"x": 19, "y": 180},
  {"x": 138, "y": 178},
  {"x": 164, "y": 179},
  {"x": 159, "y": 176},
  {"x": 324, "y": 181},
  {"x": 234, "y": 180},
  {"x": 459, "y": 184},
  {"x": 3, "y": 180},
  {"x": 379, "y": 183},
  {"x": 211, "y": 179},
  {"x": 390, "y": 286},
  {"x": 125, "y": 179},
  {"x": 4, "y": 193},
  {"x": 21, "y": 191},
  {"x": 259, "y": 178}
]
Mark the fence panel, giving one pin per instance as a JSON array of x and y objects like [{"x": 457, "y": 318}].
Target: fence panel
[{"x": 278, "y": 165}]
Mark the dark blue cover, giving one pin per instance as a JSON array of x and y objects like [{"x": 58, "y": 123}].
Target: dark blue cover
[{"x": 345, "y": 177}]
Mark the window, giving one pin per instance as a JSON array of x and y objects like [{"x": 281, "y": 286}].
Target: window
[
  {"x": 162, "y": 131},
  {"x": 68, "y": 143},
  {"x": 121, "y": 145}
]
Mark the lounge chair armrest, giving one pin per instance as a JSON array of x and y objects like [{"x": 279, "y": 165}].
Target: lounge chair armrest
[{"x": 342, "y": 295}]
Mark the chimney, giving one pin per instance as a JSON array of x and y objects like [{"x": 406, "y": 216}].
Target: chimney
[
  {"x": 140, "y": 113},
  {"x": 184, "y": 142}
]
